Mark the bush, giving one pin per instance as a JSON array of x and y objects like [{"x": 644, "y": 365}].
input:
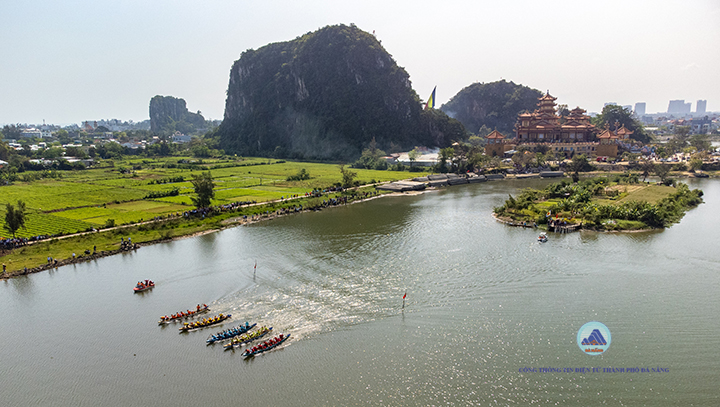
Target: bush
[
  {"x": 160, "y": 194},
  {"x": 110, "y": 223},
  {"x": 302, "y": 175}
]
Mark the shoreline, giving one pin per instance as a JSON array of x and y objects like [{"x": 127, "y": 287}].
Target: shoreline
[
  {"x": 239, "y": 221},
  {"x": 510, "y": 222},
  {"x": 226, "y": 224}
]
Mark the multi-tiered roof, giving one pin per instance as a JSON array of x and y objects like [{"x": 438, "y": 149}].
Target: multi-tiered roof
[{"x": 545, "y": 125}]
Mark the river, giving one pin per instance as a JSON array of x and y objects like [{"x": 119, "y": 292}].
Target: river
[{"x": 484, "y": 302}]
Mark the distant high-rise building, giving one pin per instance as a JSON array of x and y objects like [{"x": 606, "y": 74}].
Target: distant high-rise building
[
  {"x": 640, "y": 109},
  {"x": 679, "y": 106},
  {"x": 627, "y": 107},
  {"x": 701, "y": 106}
]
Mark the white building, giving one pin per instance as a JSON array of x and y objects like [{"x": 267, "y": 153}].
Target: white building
[{"x": 32, "y": 132}]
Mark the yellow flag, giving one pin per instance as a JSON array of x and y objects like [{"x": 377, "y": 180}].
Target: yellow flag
[{"x": 431, "y": 101}]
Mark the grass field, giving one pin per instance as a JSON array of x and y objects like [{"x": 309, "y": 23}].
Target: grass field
[
  {"x": 84, "y": 199},
  {"x": 649, "y": 193}
]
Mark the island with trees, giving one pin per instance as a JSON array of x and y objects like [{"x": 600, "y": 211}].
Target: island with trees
[{"x": 613, "y": 203}]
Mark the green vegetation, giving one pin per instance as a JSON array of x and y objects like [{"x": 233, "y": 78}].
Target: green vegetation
[
  {"x": 325, "y": 95},
  {"x": 109, "y": 240},
  {"x": 14, "y": 217},
  {"x": 106, "y": 196},
  {"x": 348, "y": 177},
  {"x": 614, "y": 116},
  {"x": 609, "y": 203},
  {"x": 302, "y": 175},
  {"x": 493, "y": 105},
  {"x": 169, "y": 114},
  {"x": 204, "y": 189}
]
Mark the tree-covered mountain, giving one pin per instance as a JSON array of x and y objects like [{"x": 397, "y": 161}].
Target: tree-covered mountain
[
  {"x": 326, "y": 95},
  {"x": 169, "y": 114},
  {"x": 494, "y": 105}
]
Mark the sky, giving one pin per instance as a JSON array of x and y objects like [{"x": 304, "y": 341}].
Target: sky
[{"x": 70, "y": 61}]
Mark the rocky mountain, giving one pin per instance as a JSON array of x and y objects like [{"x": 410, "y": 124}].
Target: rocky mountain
[
  {"x": 325, "y": 95},
  {"x": 494, "y": 105},
  {"x": 169, "y": 114}
]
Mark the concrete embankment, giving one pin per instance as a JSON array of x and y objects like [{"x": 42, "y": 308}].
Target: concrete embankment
[{"x": 437, "y": 180}]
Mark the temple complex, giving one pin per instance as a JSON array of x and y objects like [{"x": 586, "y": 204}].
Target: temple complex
[
  {"x": 568, "y": 135},
  {"x": 544, "y": 124}
]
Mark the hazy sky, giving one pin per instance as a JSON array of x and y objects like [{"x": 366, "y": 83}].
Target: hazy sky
[{"x": 69, "y": 61}]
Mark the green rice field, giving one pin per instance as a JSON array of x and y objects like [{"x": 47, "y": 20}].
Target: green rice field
[{"x": 81, "y": 200}]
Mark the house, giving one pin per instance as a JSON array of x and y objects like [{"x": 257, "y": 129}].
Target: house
[
  {"x": 180, "y": 138},
  {"x": 426, "y": 158},
  {"x": 31, "y": 132}
]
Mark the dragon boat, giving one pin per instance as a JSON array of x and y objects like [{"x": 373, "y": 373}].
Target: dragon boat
[
  {"x": 247, "y": 338},
  {"x": 182, "y": 315},
  {"x": 265, "y": 346},
  {"x": 203, "y": 322},
  {"x": 230, "y": 333}
]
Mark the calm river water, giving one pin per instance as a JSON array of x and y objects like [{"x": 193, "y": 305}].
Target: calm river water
[{"x": 484, "y": 301}]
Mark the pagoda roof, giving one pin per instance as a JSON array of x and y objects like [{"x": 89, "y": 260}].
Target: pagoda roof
[
  {"x": 622, "y": 131},
  {"x": 495, "y": 135},
  {"x": 574, "y": 123},
  {"x": 547, "y": 96},
  {"x": 607, "y": 134}
]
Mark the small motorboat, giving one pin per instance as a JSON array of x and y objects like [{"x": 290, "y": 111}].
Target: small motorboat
[
  {"x": 144, "y": 286},
  {"x": 543, "y": 237}
]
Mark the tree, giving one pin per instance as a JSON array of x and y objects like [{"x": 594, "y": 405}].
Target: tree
[
  {"x": 348, "y": 177},
  {"x": 204, "y": 189},
  {"x": 446, "y": 154},
  {"x": 476, "y": 141},
  {"x": 563, "y": 110},
  {"x": 14, "y": 217},
  {"x": 613, "y": 115},
  {"x": 662, "y": 172},
  {"x": 63, "y": 136},
  {"x": 484, "y": 131},
  {"x": 701, "y": 142},
  {"x": 680, "y": 139},
  {"x": 579, "y": 163},
  {"x": 696, "y": 164},
  {"x": 75, "y": 152},
  {"x": 11, "y": 132},
  {"x": 53, "y": 152},
  {"x": 371, "y": 158},
  {"x": 647, "y": 167},
  {"x": 413, "y": 156}
]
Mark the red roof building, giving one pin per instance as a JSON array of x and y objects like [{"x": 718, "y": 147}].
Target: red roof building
[{"x": 545, "y": 125}]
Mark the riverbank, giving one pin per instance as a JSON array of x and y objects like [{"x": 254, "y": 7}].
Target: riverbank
[{"x": 82, "y": 247}]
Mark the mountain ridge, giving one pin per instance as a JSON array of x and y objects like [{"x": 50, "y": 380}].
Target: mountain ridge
[{"x": 325, "y": 95}]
